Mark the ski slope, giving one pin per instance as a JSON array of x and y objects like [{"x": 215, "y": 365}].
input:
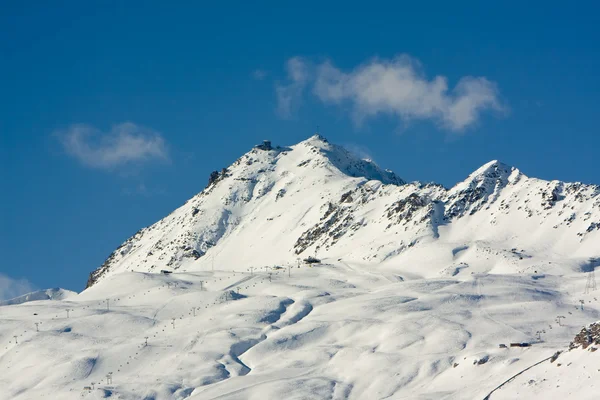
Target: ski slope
[
  {"x": 417, "y": 288},
  {"x": 336, "y": 330}
]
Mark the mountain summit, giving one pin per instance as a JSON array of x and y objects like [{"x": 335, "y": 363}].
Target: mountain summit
[
  {"x": 305, "y": 272},
  {"x": 275, "y": 204}
]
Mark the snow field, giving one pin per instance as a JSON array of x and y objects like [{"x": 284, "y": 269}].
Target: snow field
[{"x": 335, "y": 330}]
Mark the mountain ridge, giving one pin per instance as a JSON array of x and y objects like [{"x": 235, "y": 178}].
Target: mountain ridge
[
  {"x": 323, "y": 197},
  {"x": 419, "y": 291}
]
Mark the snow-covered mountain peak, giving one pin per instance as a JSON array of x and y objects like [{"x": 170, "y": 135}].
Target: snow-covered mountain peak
[
  {"x": 331, "y": 155},
  {"x": 214, "y": 301},
  {"x": 481, "y": 187},
  {"x": 278, "y": 203},
  {"x": 305, "y": 158},
  {"x": 495, "y": 170},
  {"x": 315, "y": 140},
  {"x": 489, "y": 175},
  {"x": 492, "y": 165}
]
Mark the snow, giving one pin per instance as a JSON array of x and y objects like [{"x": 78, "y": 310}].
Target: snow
[
  {"x": 336, "y": 330},
  {"x": 417, "y": 288},
  {"x": 48, "y": 294}
]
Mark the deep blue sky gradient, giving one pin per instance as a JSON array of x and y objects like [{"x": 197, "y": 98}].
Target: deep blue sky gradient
[{"x": 186, "y": 71}]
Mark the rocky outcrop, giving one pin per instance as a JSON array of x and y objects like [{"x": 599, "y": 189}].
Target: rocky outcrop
[{"x": 589, "y": 335}]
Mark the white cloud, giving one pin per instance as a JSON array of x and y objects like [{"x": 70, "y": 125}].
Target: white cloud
[
  {"x": 142, "y": 190},
  {"x": 123, "y": 144},
  {"x": 10, "y": 288},
  {"x": 360, "y": 151},
  {"x": 259, "y": 74},
  {"x": 289, "y": 95},
  {"x": 396, "y": 87}
]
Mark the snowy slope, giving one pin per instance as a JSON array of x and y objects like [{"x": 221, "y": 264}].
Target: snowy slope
[
  {"x": 571, "y": 374},
  {"x": 417, "y": 287},
  {"x": 47, "y": 294},
  {"x": 315, "y": 197},
  {"x": 337, "y": 330}
]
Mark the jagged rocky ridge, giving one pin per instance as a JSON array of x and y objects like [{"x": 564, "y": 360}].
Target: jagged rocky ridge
[
  {"x": 589, "y": 335},
  {"x": 278, "y": 204}
]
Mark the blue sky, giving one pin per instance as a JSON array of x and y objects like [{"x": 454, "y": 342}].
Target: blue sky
[{"x": 114, "y": 113}]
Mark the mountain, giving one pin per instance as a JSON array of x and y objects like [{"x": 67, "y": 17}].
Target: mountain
[
  {"x": 304, "y": 272},
  {"x": 569, "y": 373},
  {"x": 47, "y": 294},
  {"x": 279, "y": 204}
]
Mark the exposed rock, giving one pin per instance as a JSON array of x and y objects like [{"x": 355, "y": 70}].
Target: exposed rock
[{"x": 587, "y": 336}]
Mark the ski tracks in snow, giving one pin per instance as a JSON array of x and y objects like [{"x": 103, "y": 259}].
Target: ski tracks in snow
[
  {"x": 478, "y": 286},
  {"x": 289, "y": 312},
  {"x": 235, "y": 284}
]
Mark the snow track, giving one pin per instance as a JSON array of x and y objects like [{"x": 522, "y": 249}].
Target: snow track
[
  {"x": 514, "y": 376},
  {"x": 417, "y": 287},
  {"x": 333, "y": 331}
]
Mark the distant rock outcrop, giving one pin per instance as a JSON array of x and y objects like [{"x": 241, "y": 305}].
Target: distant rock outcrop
[{"x": 589, "y": 335}]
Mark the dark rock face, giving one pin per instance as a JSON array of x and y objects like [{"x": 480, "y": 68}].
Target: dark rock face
[
  {"x": 216, "y": 176},
  {"x": 553, "y": 195},
  {"x": 480, "y": 190},
  {"x": 404, "y": 209},
  {"x": 195, "y": 254},
  {"x": 332, "y": 223},
  {"x": 122, "y": 250},
  {"x": 593, "y": 226},
  {"x": 346, "y": 197},
  {"x": 91, "y": 280},
  {"x": 311, "y": 260},
  {"x": 463, "y": 200},
  {"x": 266, "y": 145},
  {"x": 589, "y": 335},
  {"x": 280, "y": 194}
]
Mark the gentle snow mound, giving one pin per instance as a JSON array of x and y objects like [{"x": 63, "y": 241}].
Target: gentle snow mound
[{"x": 47, "y": 294}]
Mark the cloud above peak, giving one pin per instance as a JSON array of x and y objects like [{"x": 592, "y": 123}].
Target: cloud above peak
[
  {"x": 289, "y": 95},
  {"x": 124, "y": 144},
  {"x": 398, "y": 88}
]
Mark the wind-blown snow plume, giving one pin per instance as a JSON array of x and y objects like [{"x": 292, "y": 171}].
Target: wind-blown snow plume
[
  {"x": 289, "y": 95},
  {"x": 10, "y": 287}
]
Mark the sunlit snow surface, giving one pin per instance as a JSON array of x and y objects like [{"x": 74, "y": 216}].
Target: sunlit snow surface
[
  {"x": 418, "y": 287},
  {"x": 335, "y": 330}
]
